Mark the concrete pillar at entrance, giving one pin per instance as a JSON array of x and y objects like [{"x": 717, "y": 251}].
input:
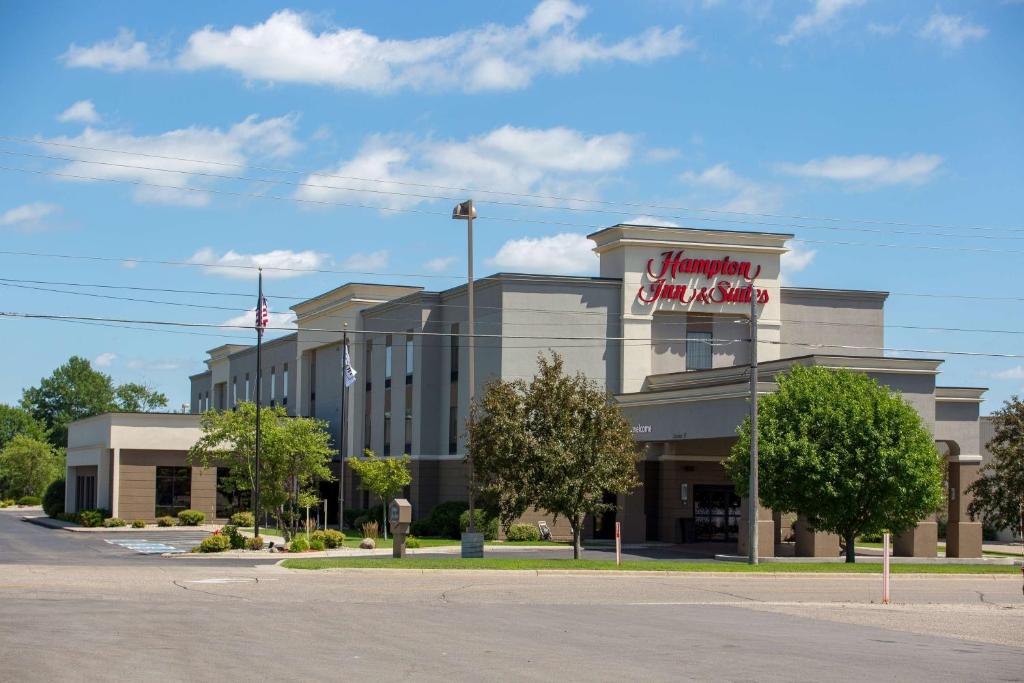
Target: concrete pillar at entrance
[
  {"x": 921, "y": 541},
  {"x": 811, "y": 543},
  {"x": 765, "y": 530},
  {"x": 70, "y": 489},
  {"x": 115, "y": 483},
  {"x": 963, "y": 536}
]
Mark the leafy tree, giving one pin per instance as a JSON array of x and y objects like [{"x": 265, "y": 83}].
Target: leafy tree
[
  {"x": 75, "y": 391},
  {"x": 557, "y": 444},
  {"x": 847, "y": 453},
  {"x": 14, "y": 421},
  {"x": 384, "y": 477},
  {"x": 999, "y": 491},
  {"x": 295, "y": 453},
  {"x": 27, "y": 466}
]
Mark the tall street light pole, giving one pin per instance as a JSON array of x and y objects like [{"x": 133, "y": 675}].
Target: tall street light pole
[
  {"x": 753, "y": 500},
  {"x": 467, "y": 212}
]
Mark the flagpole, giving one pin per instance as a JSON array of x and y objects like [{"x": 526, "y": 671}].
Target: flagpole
[
  {"x": 259, "y": 402},
  {"x": 341, "y": 441}
]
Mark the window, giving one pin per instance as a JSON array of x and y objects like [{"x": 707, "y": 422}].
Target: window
[
  {"x": 312, "y": 384},
  {"x": 387, "y": 361},
  {"x": 453, "y": 393},
  {"x": 409, "y": 357},
  {"x": 698, "y": 350},
  {"x": 284, "y": 386},
  {"x": 273, "y": 383},
  {"x": 387, "y": 394},
  {"x": 368, "y": 400},
  {"x": 173, "y": 490},
  {"x": 234, "y": 391},
  {"x": 85, "y": 492},
  {"x": 409, "y": 367},
  {"x": 247, "y": 386},
  {"x": 229, "y": 499}
]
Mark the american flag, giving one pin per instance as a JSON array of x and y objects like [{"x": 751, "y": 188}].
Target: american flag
[{"x": 262, "y": 314}]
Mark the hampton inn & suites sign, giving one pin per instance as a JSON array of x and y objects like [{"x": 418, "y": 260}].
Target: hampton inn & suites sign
[{"x": 674, "y": 264}]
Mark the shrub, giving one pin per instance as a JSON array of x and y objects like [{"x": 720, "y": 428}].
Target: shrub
[
  {"x": 53, "y": 498},
  {"x": 484, "y": 524},
  {"x": 236, "y": 539},
  {"x": 191, "y": 517},
  {"x": 114, "y": 521},
  {"x": 254, "y": 543},
  {"x": 165, "y": 521},
  {"x": 317, "y": 544},
  {"x": 333, "y": 538},
  {"x": 421, "y": 527},
  {"x": 871, "y": 538},
  {"x": 444, "y": 519},
  {"x": 215, "y": 543},
  {"x": 30, "y": 500},
  {"x": 523, "y": 532},
  {"x": 371, "y": 530},
  {"x": 68, "y": 517},
  {"x": 243, "y": 519},
  {"x": 412, "y": 542},
  {"x": 139, "y": 524},
  {"x": 299, "y": 544},
  {"x": 91, "y": 518},
  {"x": 351, "y": 515}
]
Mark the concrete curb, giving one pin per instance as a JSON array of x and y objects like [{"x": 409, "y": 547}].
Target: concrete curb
[{"x": 874, "y": 559}]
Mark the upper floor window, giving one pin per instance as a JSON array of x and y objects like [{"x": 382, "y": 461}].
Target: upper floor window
[
  {"x": 387, "y": 361},
  {"x": 409, "y": 356},
  {"x": 698, "y": 350},
  {"x": 247, "y": 386},
  {"x": 273, "y": 384},
  {"x": 284, "y": 385}
]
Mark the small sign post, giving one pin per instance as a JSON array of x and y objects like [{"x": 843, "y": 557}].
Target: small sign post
[
  {"x": 618, "y": 544},
  {"x": 885, "y": 568}
]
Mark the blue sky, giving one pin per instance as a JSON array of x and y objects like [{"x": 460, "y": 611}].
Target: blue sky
[{"x": 897, "y": 111}]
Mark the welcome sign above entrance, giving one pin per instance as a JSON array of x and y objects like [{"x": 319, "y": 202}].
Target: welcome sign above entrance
[{"x": 674, "y": 264}]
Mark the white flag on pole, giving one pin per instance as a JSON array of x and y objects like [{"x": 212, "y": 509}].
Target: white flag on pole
[{"x": 350, "y": 373}]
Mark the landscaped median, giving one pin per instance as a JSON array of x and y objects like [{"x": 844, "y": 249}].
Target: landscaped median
[{"x": 527, "y": 564}]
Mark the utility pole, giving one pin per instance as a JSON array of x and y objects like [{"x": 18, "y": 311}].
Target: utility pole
[
  {"x": 261, "y": 322},
  {"x": 753, "y": 502},
  {"x": 467, "y": 211},
  {"x": 341, "y": 436}
]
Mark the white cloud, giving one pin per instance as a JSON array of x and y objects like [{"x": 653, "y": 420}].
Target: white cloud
[
  {"x": 104, "y": 360},
  {"x": 823, "y": 15},
  {"x": 951, "y": 31},
  {"x": 552, "y": 161},
  {"x": 286, "y": 48},
  {"x": 651, "y": 220},
  {"x": 567, "y": 253},
  {"x": 119, "y": 54},
  {"x": 159, "y": 365},
  {"x": 243, "y": 266},
  {"x": 736, "y": 193},
  {"x": 1016, "y": 372},
  {"x": 248, "y": 319},
  {"x": 871, "y": 170},
  {"x": 440, "y": 264},
  {"x": 82, "y": 111},
  {"x": 28, "y": 217},
  {"x": 794, "y": 261},
  {"x": 376, "y": 260},
  {"x": 247, "y": 139}
]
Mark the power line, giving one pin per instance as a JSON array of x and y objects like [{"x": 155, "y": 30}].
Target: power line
[
  {"x": 545, "y": 338},
  {"x": 543, "y": 197},
  {"x": 207, "y": 174},
  {"x": 506, "y": 219}
]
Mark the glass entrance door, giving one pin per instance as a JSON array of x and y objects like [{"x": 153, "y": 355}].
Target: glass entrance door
[{"x": 716, "y": 513}]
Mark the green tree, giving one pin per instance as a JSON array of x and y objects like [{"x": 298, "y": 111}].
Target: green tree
[
  {"x": 557, "y": 443},
  {"x": 27, "y": 466},
  {"x": 75, "y": 391},
  {"x": 999, "y": 491},
  {"x": 847, "y": 453},
  {"x": 14, "y": 421},
  {"x": 384, "y": 477},
  {"x": 295, "y": 453}
]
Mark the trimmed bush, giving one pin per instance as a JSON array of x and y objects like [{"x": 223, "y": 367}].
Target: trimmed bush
[
  {"x": 485, "y": 524},
  {"x": 351, "y": 515},
  {"x": 412, "y": 542},
  {"x": 30, "y": 500},
  {"x": 444, "y": 519},
  {"x": 165, "y": 521},
  {"x": 5, "y": 504},
  {"x": 53, "y": 498},
  {"x": 191, "y": 517},
  {"x": 114, "y": 521},
  {"x": 317, "y": 544},
  {"x": 139, "y": 524},
  {"x": 254, "y": 543},
  {"x": 215, "y": 543},
  {"x": 421, "y": 527},
  {"x": 523, "y": 532},
  {"x": 299, "y": 544},
  {"x": 236, "y": 539},
  {"x": 333, "y": 538},
  {"x": 243, "y": 519},
  {"x": 91, "y": 518}
]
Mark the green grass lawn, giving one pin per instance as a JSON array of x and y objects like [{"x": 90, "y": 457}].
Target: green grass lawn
[{"x": 652, "y": 566}]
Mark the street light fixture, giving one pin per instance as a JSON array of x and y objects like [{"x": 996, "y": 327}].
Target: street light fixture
[{"x": 466, "y": 211}]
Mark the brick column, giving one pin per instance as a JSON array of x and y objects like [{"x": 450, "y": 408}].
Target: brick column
[
  {"x": 765, "y": 530},
  {"x": 963, "y": 536},
  {"x": 921, "y": 541},
  {"x": 811, "y": 543}
]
